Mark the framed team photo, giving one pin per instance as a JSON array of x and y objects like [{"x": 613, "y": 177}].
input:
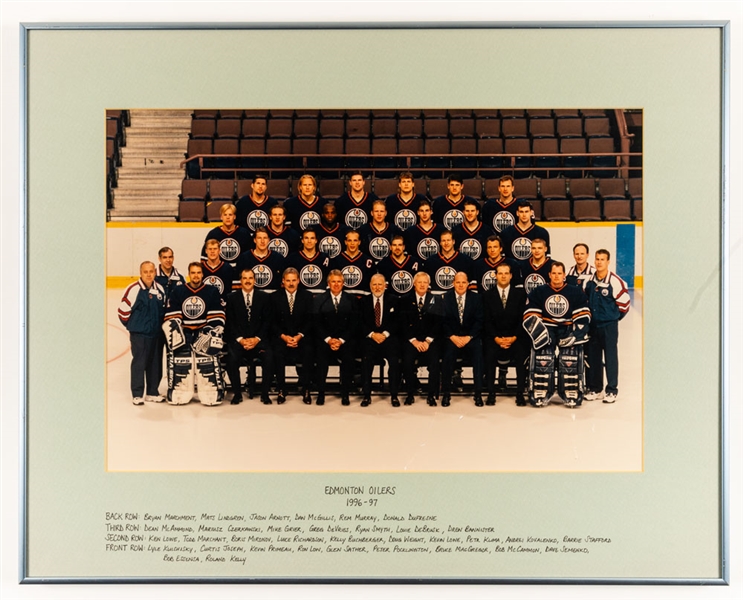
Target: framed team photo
[{"x": 288, "y": 360}]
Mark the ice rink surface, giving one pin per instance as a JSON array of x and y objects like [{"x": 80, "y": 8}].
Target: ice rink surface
[{"x": 295, "y": 437}]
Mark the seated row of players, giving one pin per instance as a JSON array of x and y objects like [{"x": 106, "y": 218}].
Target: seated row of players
[{"x": 419, "y": 327}]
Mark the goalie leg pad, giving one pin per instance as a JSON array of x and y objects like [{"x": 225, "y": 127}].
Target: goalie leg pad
[
  {"x": 180, "y": 376},
  {"x": 537, "y": 331},
  {"x": 570, "y": 376},
  {"x": 209, "y": 381},
  {"x": 174, "y": 334},
  {"x": 541, "y": 376}
]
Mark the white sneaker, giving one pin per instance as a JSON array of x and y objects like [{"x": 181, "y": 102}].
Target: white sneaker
[
  {"x": 137, "y": 400},
  {"x": 591, "y": 396},
  {"x": 153, "y": 398},
  {"x": 610, "y": 399}
]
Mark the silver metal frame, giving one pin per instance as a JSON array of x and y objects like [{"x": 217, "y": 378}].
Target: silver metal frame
[{"x": 724, "y": 26}]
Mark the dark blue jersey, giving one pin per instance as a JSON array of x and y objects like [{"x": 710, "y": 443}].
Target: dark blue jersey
[
  {"x": 268, "y": 269},
  {"x": 471, "y": 242},
  {"x": 516, "y": 242},
  {"x": 376, "y": 243},
  {"x": 252, "y": 215},
  {"x": 195, "y": 307},
  {"x": 423, "y": 243},
  {"x": 399, "y": 275},
  {"x": 403, "y": 214},
  {"x": 354, "y": 213},
  {"x": 330, "y": 239},
  {"x": 449, "y": 213},
  {"x": 560, "y": 309},
  {"x": 231, "y": 243},
  {"x": 301, "y": 215},
  {"x": 312, "y": 271},
  {"x": 221, "y": 276},
  {"x": 484, "y": 271},
  {"x": 284, "y": 242},
  {"x": 357, "y": 272},
  {"x": 442, "y": 270},
  {"x": 499, "y": 216},
  {"x": 532, "y": 276}
]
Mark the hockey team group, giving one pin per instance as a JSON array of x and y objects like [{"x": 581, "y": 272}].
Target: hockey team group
[{"x": 359, "y": 280}]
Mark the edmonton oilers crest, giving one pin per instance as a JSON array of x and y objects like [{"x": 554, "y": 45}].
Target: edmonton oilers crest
[
  {"x": 379, "y": 248},
  {"x": 263, "y": 275},
  {"x": 193, "y": 307},
  {"x": 309, "y": 219},
  {"x": 355, "y": 218},
  {"x": 453, "y": 218},
  {"x": 521, "y": 248},
  {"x": 445, "y": 277},
  {"x": 489, "y": 280},
  {"x": 331, "y": 246},
  {"x": 310, "y": 276},
  {"x": 405, "y": 218},
  {"x": 502, "y": 220},
  {"x": 533, "y": 281},
  {"x": 280, "y": 246},
  {"x": 351, "y": 276},
  {"x": 257, "y": 218},
  {"x": 428, "y": 247},
  {"x": 229, "y": 249},
  {"x": 471, "y": 248},
  {"x": 402, "y": 282},
  {"x": 216, "y": 282},
  {"x": 556, "y": 305}
]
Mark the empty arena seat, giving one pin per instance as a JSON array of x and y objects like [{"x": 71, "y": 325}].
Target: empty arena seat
[
  {"x": 435, "y": 127},
  {"x": 413, "y": 148},
  {"x": 586, "y": 207},
  {"x": 489, "y": 149},
  {"x": 203, "y": 129},
  {"x": 361, "y": 147},
  {"x": 570, "y": 127},
  {"x": 527, "y": 189},
  {"x": 231, "y": 113},
  {"x": 301, "y": 148},
  {"x": 485, "y": 113},
  {"x": 385, "y": 187},
  {"x": 462, "y": 128},
  {"x": 358, "y": 128},
  {"x": 305, "y": 128},
  {"x": 279, "y": 128},
  {"x": 438, "y": 187},
  {"x": 409, "y": 128},
  {"x": 254, "y": 128},
  {"x": 257, "y": 147},
  {"x": 332, "y": 128},
  {"x": 569, "y": 147},
  {"x": 460, "y": 113},
  {"x": 228, "y": 128},
  {"x": 224, "y": 146},
  {"x": 282, "y": 114},
  {"x": 540, "y": 128},
  {"x": 597, "y": 127},
  {"x": 511, "y": 113},
  {"x": 193, "y": 189},
  {"x": 605, "y": 163},
  {"x": 278, "y": 188},
  {"x": 358, "y": 114},
  {"x": 384, "y": 150},
  {"x": 635, "y": 188},
  {"x": 384, "y": 127},
  {"x": 205, "y": 113},
  {"x": 554, "y": 209},
  {"x": 612, "y": 189},
  {"x": 275, "y": 163},
  {"x": 592, "y": 113},
  {"x": 553, "y": 188},
  {"x": 330, "y": 189},
  {"x": 566, "y": 113},
  {"x": 331, "y": 151},
  {"x": 222, "y": 189},
  {"x": 618, "y": 210},
  {"x": 191, "y": 210},
  {"x": 519, "y": 148},
  {"x": 308, "y": 113},
  {"x": 473, "y": 186},
  {"x": 582, "y": 189},
  {"x": 332, "y": 113},
  {"x": 384, "y": 113},
  {"x": 543, "y": 164},
  {"x": 436, "y": 151},
  {"x": 256, "y": 114},
  {"x": 514, "y": 128},
  {"x": 539, "y": 113},
  {"x": 196, "y": 147},
  {"x": 466, "y": 165},
  {"x": 487, "y": 127},
  {"x": 434, "y": 113}
]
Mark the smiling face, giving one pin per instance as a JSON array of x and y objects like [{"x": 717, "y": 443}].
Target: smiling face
[
  {"x": 290, "y": 282},
  {"x": 195, "y": 275},
  {"x": 166, "y": 260},
  {"x": 335, "y": 284},
  {"x": 460, "y": 283},
  {"x": 247, "y": 281},
  {"x": 147, "y": 273},
  {"x": 580, "y": 254},
  {"x": 421, "y": 283},
  {"x": 470, "y": 214},
  {"x": 397, "y": 248},
  {"x": 538, "y": 250},
  {"x": 447, "y": 242}
]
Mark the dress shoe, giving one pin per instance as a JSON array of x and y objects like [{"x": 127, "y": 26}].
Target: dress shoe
[
  {"x": 491, "y": 399},
  {"x": 366, "y": 401},
  {"x": 306, "y": 397},
  {"x": 446, "y": 400},
  {"x": 345, "y": 401},
  {"x": 265, "y": 399},
  {"x": 478, "y": 400},
  {"x": 431, "y": 401},
  {"x": 520, "y": 400},
  {"x": 320, "y": 399},
  {"x": 394, "y": 401},
  {"x": 236, "y": 399},
  {"x": 281, "y": 398},
  {"x": 409, "y": 400}
]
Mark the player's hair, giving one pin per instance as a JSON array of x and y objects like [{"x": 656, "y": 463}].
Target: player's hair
[
  {"x": 445, "y": 232},
  {"x": 420, "y": 274},
  {"x": 146, "y": 262},
  {"x": 278, "y": 206},
  {"x": 398, "y": 236},
  {"x": 195, "y": 264},
  {"x": 260, "y": 229},
  {"x": 557, "y": 263},
  {"x": 377, "y": 275},
  {"x": 334, "y": 273},
  {"x": 504, "y": 264},
  {"x": 258, "y": 176},
  {"x": 289, "y": 271},
  {"x": 455, "y": 177},
  {"x": 308, "y": 230},
  {"x": 405, "y": 175},
  {"x": 306, "y": 176},
  {"x": 352, "y": 232},
  {"x": 506, "y": 178},
  {"x": 357, "y": 172},
  {"x": 494, "y": 238},
  {"x": 331, "y": 205},
  {"x": 211, "y": 242},
  {"x": 225, "y": 207},
  {"x": 163, "y": 250},
  {"x": 471, "y": 202},
  {"x": 247, "y": 270},
  {"x": 605, "y": 252},
  {"x": 540, "y": 240},
  {"x": 424, "y": 202},
  {"x": 523, "y": 203},
  {"x": 382, "y": 202},
  {"x": 581, "y": 244}
]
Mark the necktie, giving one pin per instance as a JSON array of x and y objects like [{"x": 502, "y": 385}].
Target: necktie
[
  {"x": 503, "y": 298},
  {"x": 420, "y": 306},
  {"x": 335, "y": 302},
  {"x": 291, "y": 304},
  {"x": 460, "y": 306},
  {"x": 247, "y": 304},
  {"x": 378, "y": 314}
]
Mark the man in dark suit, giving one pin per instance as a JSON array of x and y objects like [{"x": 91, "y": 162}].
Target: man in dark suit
[
  {"x": 463, "y": 333},
  {"x": 336, "y": 321},
  {"x": 505, "y": 339},
  {"x": 379, "y": 314},
  {"x": 247, "y": 332},
  {"x": 420, "y": 331},
  {"x": 291, "y": 338}
]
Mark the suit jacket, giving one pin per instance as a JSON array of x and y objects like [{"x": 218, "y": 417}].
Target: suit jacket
[
  {"x": 427, "y": 323},
  {"x": 390, "y": 315},
  {"x": 296, "y": 322},
  {"x": 472, "y": 318},
  {"x": 237, "y": 324},
  {"x": 508, "y": 321},
  {"x": 342, "y": 324}
]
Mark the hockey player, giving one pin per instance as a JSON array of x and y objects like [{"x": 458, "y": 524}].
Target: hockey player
[
  {"x": 303, "y": 210},
  {"x": 609, "y": 302},
  {"x": 423, "y": 238},
  {"x": 217, "y": 272},
  {"x": 267, "y": 266},
  {"x": 582, "y": 270},
  {"x": 448, "y": 209},
  {"x": 141, "y": 312},
  {"x": 557, "y": 321},
  {"x": 442, "y": 267},
  {"x": 485, "y": 269},
  {"x": 354, "y": 206},
  {"x": 377, "y": 234},
  {"x": 517, "y": 238},
  {"x": 501, "y": 213},
  {"x": 330, "y": 231},
  {"x": 194, "y": 325},
  {"x": 253, "y": 209},
  {"x": 355, "y": 266},
  {"x": 403, "y": 206},
  {"x": 470, "y": 234},
  {"x": 535, "y": 271},
  {"x": 399, "y": 268},
  {"x": 233, "y": 240},
  {"x": 282, "y": 238},
  {"x": 312, "y": 265}
]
